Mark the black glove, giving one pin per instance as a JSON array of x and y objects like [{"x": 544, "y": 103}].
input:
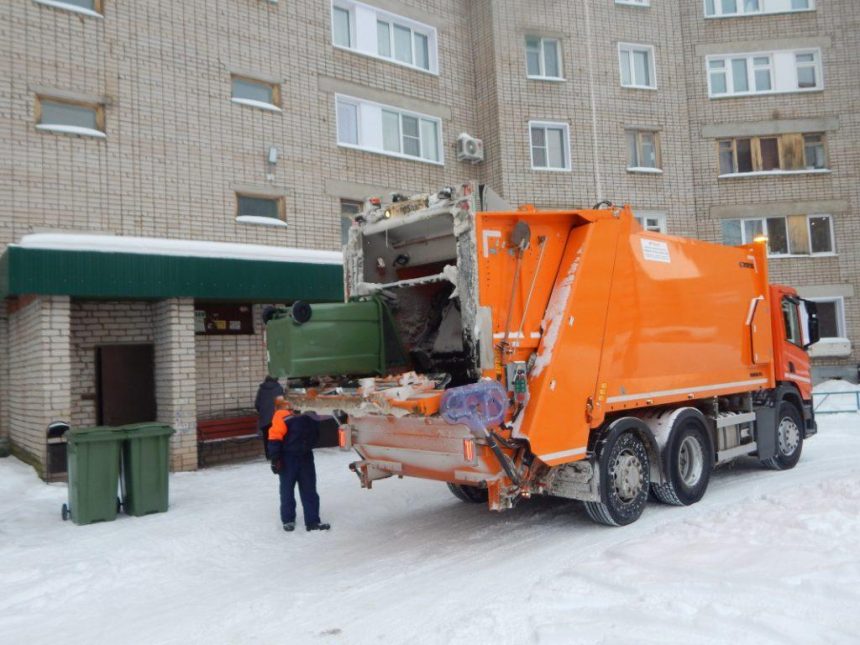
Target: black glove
[
  {"x": 341, "y": 416},
  {"x": 276, "y": 465}
]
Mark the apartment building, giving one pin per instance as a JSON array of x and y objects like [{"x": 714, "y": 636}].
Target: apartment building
[{"x": 172, "y": 167}]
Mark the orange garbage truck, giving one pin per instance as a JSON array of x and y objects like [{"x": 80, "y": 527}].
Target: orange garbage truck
[{"x": 519, "y": 352}]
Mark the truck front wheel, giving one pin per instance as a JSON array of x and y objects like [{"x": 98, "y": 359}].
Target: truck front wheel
[
  {"x": 469, "y": 494},
  {"x": 789, "y": 438},
  {"x": 624, "y": 481}
]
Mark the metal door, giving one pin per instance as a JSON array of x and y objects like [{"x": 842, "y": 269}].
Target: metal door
[{"x": 125, "y": 382}]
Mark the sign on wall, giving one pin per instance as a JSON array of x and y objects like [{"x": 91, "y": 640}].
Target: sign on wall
[{"x": 223, "y": 319}]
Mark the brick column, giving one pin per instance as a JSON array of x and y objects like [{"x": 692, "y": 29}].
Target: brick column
[
  {"x": 175, "y": 377},
  {"x": 39, "y": 377}
]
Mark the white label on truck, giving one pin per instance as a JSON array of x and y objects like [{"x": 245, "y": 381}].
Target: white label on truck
[{"x": 655, "y": 251}]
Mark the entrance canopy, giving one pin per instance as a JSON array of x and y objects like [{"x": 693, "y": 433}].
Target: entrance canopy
[{"x": 112, "y": 266}]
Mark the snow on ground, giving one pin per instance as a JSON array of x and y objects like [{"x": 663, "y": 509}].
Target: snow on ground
[
  {"x": 766, "y": 557},
  {"x": 837, "y": 395}
]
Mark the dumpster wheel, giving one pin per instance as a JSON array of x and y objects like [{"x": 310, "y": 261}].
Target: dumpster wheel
[{"x": 66, "y": 513}]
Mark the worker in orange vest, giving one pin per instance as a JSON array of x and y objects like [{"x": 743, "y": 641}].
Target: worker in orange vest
[{"x": 292, "y": 438}]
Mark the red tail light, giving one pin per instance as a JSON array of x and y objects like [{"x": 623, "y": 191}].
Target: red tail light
[
  {"x": 343, "y": 437},
  {"x": 469, "y": 450}
]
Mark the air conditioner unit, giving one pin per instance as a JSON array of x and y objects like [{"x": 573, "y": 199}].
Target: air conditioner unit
[{"x": 469, "y": 148}]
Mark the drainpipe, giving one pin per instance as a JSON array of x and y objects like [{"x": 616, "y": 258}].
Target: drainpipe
[{"x": 598, "y": 182}]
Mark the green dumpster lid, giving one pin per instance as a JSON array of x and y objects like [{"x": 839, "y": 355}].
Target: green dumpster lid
[
  {"x": 146, "y": 429},
  {"x": 94, "y": 433}
]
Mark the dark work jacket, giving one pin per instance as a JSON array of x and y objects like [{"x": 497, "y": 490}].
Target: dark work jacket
[
  {"x": 301, "y": 435},
  {"x": 265, "y": 401}
]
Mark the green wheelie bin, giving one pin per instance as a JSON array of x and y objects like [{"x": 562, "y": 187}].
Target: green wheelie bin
[
  {"x": 145, "y": 467},
  {"x": 93, "y": 470}
]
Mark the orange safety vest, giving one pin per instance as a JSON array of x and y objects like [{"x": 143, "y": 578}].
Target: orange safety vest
[{"x": 279, "y": 425}]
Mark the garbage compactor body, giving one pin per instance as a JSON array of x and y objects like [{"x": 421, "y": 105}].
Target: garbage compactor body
[{"x": 592, "y": 328}]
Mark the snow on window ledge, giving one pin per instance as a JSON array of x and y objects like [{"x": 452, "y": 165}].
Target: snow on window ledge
[
  {"x": 59, "y": 4},
  {"x": 552, "y": 79},
  {"x": 833, "y": 347},
  {"x": 71, "y": 129},
  {"x": 256, "y": 104},
  {"x": 260, "y": 220},
  {"x": 646, "y": 170},
  {"x": 775, "y": 173}
]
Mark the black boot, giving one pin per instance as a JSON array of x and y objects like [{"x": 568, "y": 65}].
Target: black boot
[
  {"x": 289, "y": 526},
  {"x": 319, "y": 526}
]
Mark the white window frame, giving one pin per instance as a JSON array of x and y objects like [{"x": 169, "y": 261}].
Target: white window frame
[
  {"x": 551, "y": 125},
  {"x": 370, "y": 48},
  {"x": 659, "y": 218},
  {"x": 634, "y": 3},
  {"x": 652, "y": 65},
  {"x": 774, "y": 81},
  {"x": 361, "y": 135},
  {"x": 542, "y": 55},
  {"x": 742, "y": 13},
  {"x": 841, "y": 324},
  {"x": 658, "y": 151},
  {"x": 65, "y": 6},
  {"x": 763, "y": 219}
]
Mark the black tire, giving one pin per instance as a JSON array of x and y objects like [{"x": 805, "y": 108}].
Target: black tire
[
  {"x": 469, "y": 494},
  {"x": 625, "y": 480},
  {"x": 65, "y": 513},
  {"x": 687, "y": 462},
  {"x": 789, "y": 438}
]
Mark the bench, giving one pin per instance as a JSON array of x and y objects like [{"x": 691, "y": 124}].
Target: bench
[{"x": 229, "y": 429}]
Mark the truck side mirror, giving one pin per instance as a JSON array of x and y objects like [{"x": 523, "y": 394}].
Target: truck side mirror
[{"x": 811, "y": 322}]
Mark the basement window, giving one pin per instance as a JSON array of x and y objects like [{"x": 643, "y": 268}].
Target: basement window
[
  {"x": 70, "y": 117},
  {"x": 255, "y": 209},
  {"x": 256, "y": 93}
]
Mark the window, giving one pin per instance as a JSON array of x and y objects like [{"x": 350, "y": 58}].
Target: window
[
  {"x": 341, "y": 25},
  {"x": 651, "y": 222},
  {"x": 543, "y": 58},
  {"x": 643, "y": 151},
  {"x": 773, "y": 154},
  {"x": 70, "y": 117},
  {"x": 255, "y": 209},
  {"x": 637, "y": 66},
  {"x": 93, "y": 8},
  {"x": 791, "y": 235},
  {"x": 791, "y": 320},
  {"x": 388, "y": 130},
  {"x": 831, "y": 317},
  {"x": 763, "y": 73},
  {"x": 349, "y": 208},
  {"x": 727, "y": 8},
  {"x": 255, "y": 93},
  {"x": 635, "y": 3},
  {"x": 550, "y": 145},
  {"x": 380, "y": 34}
]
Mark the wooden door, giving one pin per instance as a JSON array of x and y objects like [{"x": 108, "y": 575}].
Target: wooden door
[{"x": 125, "y": 382}]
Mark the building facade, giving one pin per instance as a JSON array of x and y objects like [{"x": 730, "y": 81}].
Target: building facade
[{"x": 171, "y": 167}]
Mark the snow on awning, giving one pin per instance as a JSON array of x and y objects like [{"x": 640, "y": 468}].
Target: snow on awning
[{"x": 113, "y": 266}]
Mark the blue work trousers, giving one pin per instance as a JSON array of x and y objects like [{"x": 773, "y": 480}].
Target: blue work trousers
[{"x": 299, "y": 469}]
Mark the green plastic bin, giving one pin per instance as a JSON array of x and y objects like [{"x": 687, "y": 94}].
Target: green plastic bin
[
  {"x": 145, "y": 467},
  {"x": 93, "y": 470}
]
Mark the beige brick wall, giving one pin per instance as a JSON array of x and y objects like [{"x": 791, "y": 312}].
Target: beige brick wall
[
  {"x": 229, "y": 369},
  {"x": 39, "y": 389},
  {"x": 95, "y": 323},
  {"x": 175, "y": 376}
]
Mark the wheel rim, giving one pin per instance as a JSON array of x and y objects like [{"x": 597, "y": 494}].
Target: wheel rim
[
  {"x": 627, "y": 476},
  {"x": 691, "y": 461},
  {"x": 789, "y": 436}
]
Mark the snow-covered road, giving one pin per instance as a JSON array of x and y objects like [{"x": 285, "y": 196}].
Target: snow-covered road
[{"x": 766, "y": 557}]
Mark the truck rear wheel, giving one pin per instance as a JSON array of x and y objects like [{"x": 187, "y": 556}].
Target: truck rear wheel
[
  {"x": 687, "y": 461},
  {"x": 624, "y": 481},
  {"x": 469, "y": 494},
  {"x": 789, "y": 438}
]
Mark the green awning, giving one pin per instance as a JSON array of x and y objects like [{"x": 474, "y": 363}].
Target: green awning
[{"x": 91, "y": 266}]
